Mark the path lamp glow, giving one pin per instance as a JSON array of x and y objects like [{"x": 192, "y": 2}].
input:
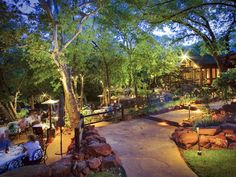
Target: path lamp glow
[
  {"x": 189, "y": 107},
  {"x": 199, "y": 152}
]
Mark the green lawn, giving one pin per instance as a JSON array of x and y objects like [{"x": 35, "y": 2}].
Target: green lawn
[
  {"x": 112, "y": 172},
  {"x": 212, "y": 163},
  {"x": 103, "y": 174}
]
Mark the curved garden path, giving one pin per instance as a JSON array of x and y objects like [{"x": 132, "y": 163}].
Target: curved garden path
[{"x": 145, "y": 149}]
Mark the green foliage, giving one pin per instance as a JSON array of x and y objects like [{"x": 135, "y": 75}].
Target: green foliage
[
  {"x": 226, "y": 84},
  {"x": 206, "y": 122},
  {"x": 212, "y": 163},
  {"x": 22, "y": 113}
]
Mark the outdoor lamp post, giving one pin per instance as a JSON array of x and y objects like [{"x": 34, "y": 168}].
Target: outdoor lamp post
[
  {"x": 189, "y": 109},
  {"x": 50, "y": 131},
  {"x": 199, "y": 152}
]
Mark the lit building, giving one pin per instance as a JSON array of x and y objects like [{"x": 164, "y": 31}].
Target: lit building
[{"x": 203, "y": 69}]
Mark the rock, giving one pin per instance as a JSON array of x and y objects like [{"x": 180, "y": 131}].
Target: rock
[
  {"x": 229, "y": 126},
  {"x": 94, "y": 163},
  {"x": 81, "y": 175},
  {"x": 111, "y": 161},
  {"x": 82, "y": 165},
  {"x": 210, "y": 131},
  {"x": 186, "y": 123},
  {"x": 189, "y": 138},
  {"x": 95, "y": 138},
  {"x": 90, "y": 132},
  {"x": 185, "y": 138},
  {"x": 232, "y": 146},
  {"x": 101, "y": 149},
  {"x": 177, "y": 107},
  {"x": 86, "y": 171},
  {"x": 79, "y": 156},
  {"x": 83, "y": 142},
  {"x": 204, "y": 141},
  {"x": 89, "y": 127},
  {"x": 93, "y": 142},
  {"x": 228, "y": 131},
  {"x": 100, "y": 158},
  {"x": 86, "y": 156},
  {"x": 231, "y": 137},
  {"x": 30, "y": 171},
  {"x": 61, "y": 168},
  {"x": 218, "y": 141}
]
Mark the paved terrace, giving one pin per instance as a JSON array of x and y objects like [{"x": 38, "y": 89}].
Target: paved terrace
[{"x": 145, "y": 148}]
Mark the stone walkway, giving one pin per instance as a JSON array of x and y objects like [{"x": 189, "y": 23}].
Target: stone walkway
[
  {"x": 145, "y": 149},
  {"x": 178, "y": 116},
  {"x": 54, "y": 147}
]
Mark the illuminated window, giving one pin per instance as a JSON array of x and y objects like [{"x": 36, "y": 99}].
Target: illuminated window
[
  {"x": 208, "y": 73},
  {"x": 213, "y": 73},
  {"x": 217, "y": 72}
]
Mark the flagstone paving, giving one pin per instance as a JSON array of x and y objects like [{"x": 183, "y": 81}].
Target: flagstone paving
[
  {"x": 178, "y": 116},
  {"x": 145, "y": 148}
]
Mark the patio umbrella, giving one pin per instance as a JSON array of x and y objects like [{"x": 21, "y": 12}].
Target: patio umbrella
[{"x": 50, "y": 102}]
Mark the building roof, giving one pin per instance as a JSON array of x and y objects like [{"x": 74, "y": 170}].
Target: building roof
[
  {"x": 204, "y": 61},
  {"x": 208, "y": 60}
]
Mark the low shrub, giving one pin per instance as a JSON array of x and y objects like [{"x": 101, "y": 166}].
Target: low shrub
[{"x": 206, "y": 122}]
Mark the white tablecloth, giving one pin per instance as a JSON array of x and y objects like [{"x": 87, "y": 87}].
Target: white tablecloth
[
  {"x": 15, "y": 152},
  {"x": 3, "y": 130},
  {"x": 44, "y": 126}
]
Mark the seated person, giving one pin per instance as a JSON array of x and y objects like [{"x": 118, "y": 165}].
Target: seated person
[
  {"x": 23, "y": 124},
  {"x": 44, "y": 116},
  {"x": 4, "y": 142},
  {"x": 31, "y": 146}
]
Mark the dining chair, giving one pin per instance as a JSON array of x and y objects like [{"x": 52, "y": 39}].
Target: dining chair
[
  {"x": 36, "y": 157},
  {"x": 38, "y": 131}
]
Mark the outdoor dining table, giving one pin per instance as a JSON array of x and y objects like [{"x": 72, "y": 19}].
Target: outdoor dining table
[
  {"x": 3, "y": 130},
  {"x": 44, "y": 126},
  {"x": 12, "y": 159}
]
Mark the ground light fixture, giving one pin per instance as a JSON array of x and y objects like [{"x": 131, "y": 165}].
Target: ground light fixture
[
  {"x": 189, "y": 108},
  {"x": 199, "y": 152}
]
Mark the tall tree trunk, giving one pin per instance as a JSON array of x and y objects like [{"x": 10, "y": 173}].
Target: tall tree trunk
[
  {"x": 82, "y": 90},
  {"x": 12, "y": 108},
  {"x": 220, "y": 62},
  {"x": 70, "y": 99},
  {"x": 135, "y": 87},
  {"x": 32, "y": 102},
  {"x": 104, "y": 93},
  {"x": 15, "y": 100},
  {"x": 75, "y": 87},
  {"x": 108, "y": 85},
  {"x": 7, "y": 112}
]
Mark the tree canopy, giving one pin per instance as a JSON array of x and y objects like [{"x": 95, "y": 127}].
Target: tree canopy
[{"x": 85, "y": 48}]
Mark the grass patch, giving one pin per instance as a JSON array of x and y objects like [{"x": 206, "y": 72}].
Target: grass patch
[
  {"x": 103, "y": 174},
  {"x": 212, "y": 163},
  {"x": 112, "y": 172}
]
